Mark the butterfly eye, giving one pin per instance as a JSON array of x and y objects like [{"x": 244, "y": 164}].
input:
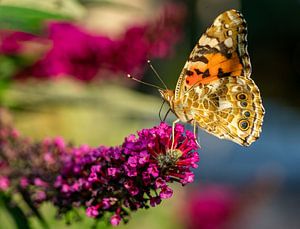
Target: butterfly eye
[
  {"x": 241, "y": 96},
  {"x": 244, "y": 124}
]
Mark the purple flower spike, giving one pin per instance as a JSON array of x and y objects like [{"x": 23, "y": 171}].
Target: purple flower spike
[
  {"x": 104, "y": 180},
  {"x": 127, "y": 176}
]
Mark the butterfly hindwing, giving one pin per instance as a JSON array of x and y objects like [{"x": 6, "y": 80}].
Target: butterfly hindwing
[{"x": 229, "y": 108}]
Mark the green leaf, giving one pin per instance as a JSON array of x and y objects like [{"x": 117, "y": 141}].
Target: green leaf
[
  {"x": 15, "y": 211},
  {"x": 25, "y": 19}
]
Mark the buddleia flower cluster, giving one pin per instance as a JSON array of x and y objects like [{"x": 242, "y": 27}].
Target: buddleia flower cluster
[{"x": 103, "y": 180}]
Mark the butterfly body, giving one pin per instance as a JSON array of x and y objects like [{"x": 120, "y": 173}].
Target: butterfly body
[{"x": 214, "y": 90}]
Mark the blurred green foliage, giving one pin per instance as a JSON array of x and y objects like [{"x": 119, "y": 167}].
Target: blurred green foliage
[
  {"x": 25, "y": 19},
  {"x": 15, "y": 212},
  {"x": 91, "y": 114}
]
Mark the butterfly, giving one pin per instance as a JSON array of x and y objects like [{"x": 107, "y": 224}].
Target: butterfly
[{"x": 214, "y": 90}]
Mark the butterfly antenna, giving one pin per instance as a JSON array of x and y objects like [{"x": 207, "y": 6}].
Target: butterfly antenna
[
  {"x": 157, "y": 75},
  {"x": 142, "y": 82}
]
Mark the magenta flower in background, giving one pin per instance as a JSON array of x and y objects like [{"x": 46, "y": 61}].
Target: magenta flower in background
[
  {"x": 11, "y": 41},
  {"x": 102, "y": 180},
  {"x": 77, "y": 53},
  {"x": 210, "y": 208},
  {"x": 167, "y": 31},
  {"x": 74, "y": 52},
  {"x": 131, "y": 51}
]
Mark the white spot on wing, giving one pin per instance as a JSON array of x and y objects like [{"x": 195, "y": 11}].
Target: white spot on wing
[
  {"x": 223, "y": 104},
  {"x": 231, "y": 16},
  {"x": 235, "y": 88},
  {"x": 229, "y": 32},
  {"x": 228, "y": 42},
  {"x": 217, "y": 22},
  {"x": 198, "y": 90},
  {"x": 213, "y": 42},
  {"x": 204, "y": 40}
]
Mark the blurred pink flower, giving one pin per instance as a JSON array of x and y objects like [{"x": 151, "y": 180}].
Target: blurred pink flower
[
  {"x": 77, "y": 53},
  {"x": 210, "y": 208},
  {"x": 74, "y": 52},
  {"x": 11, "y": 41},
  {"x": 49, "y": 159},
  {"x": 17, "y": 43},
  {"x": 4, "y": 183},
  {"x": 130, "y": 51},
  {"x": 39, "y": 196},
  {"x": 40, "y": 183},
  {"x": 60, "y": 142},
  {"x": 167, "y": 31},
  {"x": 24, "y": 182}
]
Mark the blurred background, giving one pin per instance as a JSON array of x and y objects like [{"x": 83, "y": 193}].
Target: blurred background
[{"x": 63, "y": 67}]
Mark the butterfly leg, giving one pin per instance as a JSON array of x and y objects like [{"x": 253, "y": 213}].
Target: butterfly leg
[
  {"x": 173, "y": 132},
  {"x": 196, "y": 134}
]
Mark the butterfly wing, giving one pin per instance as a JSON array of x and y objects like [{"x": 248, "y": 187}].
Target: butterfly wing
[{"x": 215, "y": 85}]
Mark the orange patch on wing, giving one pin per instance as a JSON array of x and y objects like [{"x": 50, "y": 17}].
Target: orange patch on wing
[
  {"x": 227, "y": 65},
  {"x": 206, "y": 73}
]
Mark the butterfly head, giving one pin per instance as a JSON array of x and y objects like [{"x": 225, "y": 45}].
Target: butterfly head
[{"x": 167, "y": 95}]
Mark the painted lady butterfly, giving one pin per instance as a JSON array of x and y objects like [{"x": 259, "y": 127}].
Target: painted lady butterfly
[{"x": 214, "y": 90}]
